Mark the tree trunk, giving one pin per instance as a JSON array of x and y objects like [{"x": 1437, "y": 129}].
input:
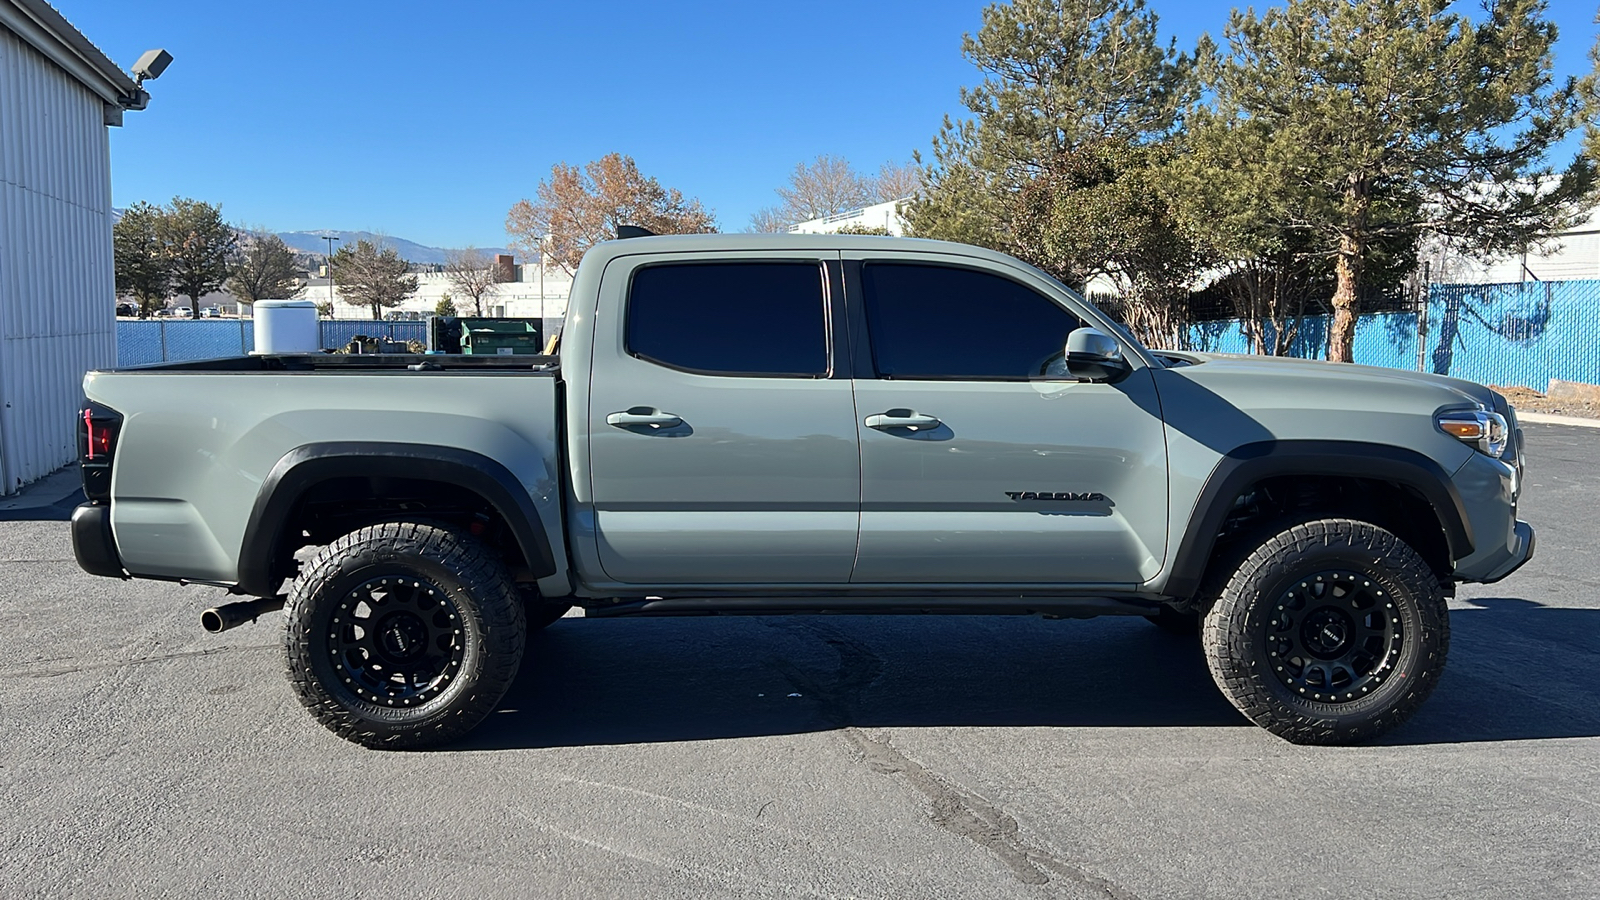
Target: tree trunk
[
  {"x": 1346, "y": 299},
  {"x": 1347, "y": 268}
]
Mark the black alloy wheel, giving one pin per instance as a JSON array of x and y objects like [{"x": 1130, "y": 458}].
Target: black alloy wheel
[
  {"x": 397, "y": 640},
  {"x": 1334, "y": 636}
]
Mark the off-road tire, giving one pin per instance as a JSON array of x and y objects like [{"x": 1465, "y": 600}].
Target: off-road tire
[
  {"x": 484, "y": 651},
  {"x": 1236, "y": 632}
]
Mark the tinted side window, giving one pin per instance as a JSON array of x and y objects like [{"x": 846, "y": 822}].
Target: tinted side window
[
  {"x": 734, "y": 318},
  {"x": 945, "y": 322}
]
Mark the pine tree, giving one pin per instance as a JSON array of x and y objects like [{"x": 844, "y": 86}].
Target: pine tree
[{"x": 1354, "y": 123}]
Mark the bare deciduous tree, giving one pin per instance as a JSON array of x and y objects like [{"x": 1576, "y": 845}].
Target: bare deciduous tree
[
  {"x": 578, "y": 208},
  {"x": 769, "y": 220},
  {"x": 896, "y": 181},
  {"x": 473, "y": 274},
  {"x": 828, "y": 186},
  {"x": 264, "y": 268},
  {"x": 825, "y": 187}
]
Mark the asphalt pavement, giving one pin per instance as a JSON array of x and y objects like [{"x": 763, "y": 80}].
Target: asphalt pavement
[{"x": 873, "y": 757}]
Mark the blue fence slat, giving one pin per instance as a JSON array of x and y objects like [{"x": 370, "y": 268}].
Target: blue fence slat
[
  {"x": 1505, "y": 334},
  {"x": 1516, "y": 334},
  {"x": 146, "y": 341}
]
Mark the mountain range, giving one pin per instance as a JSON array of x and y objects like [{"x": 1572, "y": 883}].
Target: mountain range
[{"x": 313, "y": 242}]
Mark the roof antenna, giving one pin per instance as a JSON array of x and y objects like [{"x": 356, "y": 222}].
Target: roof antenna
[{"x": 633, "y": 231}]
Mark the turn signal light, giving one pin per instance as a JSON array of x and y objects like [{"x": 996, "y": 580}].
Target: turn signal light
[
  {"x": 1483, "y": 429},
  {"x": 1467, "y": 431}
]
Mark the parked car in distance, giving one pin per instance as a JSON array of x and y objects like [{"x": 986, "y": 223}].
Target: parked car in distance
[
  {"x": 127, "y": 309},
  {"x": 211, "y": 312},
  {"x": 182, "y": 312}
]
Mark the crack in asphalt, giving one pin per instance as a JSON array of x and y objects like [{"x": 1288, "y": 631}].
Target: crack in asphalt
[
  {"x": 124, "y": 663},
  {"x": 953, "y": 807}
]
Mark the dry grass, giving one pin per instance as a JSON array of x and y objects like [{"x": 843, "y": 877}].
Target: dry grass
[{"x": 1530, "y": 400}]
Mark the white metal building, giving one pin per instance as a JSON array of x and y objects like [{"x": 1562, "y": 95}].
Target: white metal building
[
  {"x": 878, "y": 215},
  {"x": 1572, "y": 255},
  {"x": 58, "y": 93},
  {"x": 534, "y": 294}
]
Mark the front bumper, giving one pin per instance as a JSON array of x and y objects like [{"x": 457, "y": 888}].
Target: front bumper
[
  {"x": 92, "y": 542},
  {"x": 1515, "y": 556}
]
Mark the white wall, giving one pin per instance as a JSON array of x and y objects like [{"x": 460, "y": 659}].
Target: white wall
[
  {"x": 878, "y": 215},
  {"x": 57, "y": 283},
  {"x": 516, "y": 298}
]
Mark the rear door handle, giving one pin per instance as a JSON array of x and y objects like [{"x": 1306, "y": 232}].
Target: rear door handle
[
  {"x": 643, "y": 415},
  {"x": 901, "y": 418}
]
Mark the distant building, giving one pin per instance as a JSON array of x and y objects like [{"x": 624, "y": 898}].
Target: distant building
[
  {"x": 878, "y": 215},
  {"x": 1573, "y": 255},
  {"x": 530, "y": 293},
  {"x": 58, "y": 94}
]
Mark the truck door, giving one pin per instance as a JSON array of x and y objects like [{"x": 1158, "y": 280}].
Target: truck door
[
  {"x": 982, "y": 461},
  {"x": 723, "y": 445}
]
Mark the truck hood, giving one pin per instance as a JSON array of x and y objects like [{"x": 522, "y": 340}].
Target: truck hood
[{"x": 1346, "y": 376}]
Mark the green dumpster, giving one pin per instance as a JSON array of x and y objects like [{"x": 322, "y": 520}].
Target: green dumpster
[{"x": 503, "y": 337}]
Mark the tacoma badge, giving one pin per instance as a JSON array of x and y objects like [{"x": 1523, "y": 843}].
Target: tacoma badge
[{"x": 1093, "y": 497}]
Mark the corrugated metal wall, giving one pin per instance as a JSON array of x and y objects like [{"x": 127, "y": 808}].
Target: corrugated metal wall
[{"x": 57, "y": 314}]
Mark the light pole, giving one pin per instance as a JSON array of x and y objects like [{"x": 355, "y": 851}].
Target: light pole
[
  {"x": 330, "y": 239},
  {"x": 541, "y": 283}
]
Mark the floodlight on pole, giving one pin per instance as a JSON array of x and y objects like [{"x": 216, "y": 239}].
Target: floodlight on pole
[{"x": 330, "y": 238}]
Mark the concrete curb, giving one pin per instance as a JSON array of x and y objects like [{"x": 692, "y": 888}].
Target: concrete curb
[{"x": 1547, "y": 419}]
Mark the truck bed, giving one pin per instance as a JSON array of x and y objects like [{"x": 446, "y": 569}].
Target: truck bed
[
  {"x": 200, "y": 441},
  {"x": 351, "y": 362}
]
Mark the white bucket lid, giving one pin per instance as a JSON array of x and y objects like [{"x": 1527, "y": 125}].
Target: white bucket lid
[{"x": 285, "y": 304}]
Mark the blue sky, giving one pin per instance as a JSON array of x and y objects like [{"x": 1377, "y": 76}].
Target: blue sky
[{"x": 428, "y": 120}]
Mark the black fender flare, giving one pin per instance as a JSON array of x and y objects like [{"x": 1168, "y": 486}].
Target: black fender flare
[
  {"x": 302, "y": 468},
  {"x": 1247, "y": 464}
]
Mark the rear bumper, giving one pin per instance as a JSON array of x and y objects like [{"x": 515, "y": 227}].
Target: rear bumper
[{"x": 92, "y": 543}]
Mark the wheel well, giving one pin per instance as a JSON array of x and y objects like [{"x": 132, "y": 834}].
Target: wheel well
[
  {"x": 333, "y": 507},
  {"x": 1275, "y": 503}
]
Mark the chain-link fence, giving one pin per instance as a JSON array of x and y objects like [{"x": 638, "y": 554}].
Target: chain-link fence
[
  {"x": 1505, "y": 334},
  {"x": 158, "y": 340}
]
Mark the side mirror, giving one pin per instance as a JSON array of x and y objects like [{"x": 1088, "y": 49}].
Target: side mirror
[{"x": 1094, "y": 355}]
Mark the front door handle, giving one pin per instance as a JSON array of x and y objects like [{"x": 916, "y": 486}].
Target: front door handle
[
  {"x": 901, "y": 418},
  {"x": 643, "y": 415}
]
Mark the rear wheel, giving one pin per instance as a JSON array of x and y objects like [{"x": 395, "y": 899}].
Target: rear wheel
[
  {"x": 403, "y": 635},
  {"x": 1331, "y": 632}
]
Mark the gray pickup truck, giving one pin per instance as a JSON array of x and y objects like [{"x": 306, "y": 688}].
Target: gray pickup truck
[{"x": 800, "y": 424}]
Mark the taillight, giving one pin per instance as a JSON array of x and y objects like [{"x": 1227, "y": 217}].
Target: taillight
[{"x": 97, "y": 442}]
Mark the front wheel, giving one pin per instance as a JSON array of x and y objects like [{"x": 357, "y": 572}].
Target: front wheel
[
  {"x": 403, "y": 635},
  {"x": 1331, "y": 632}
]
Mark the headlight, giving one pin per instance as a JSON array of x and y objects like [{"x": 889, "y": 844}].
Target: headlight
[{"x": 1483, "y": 429}]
